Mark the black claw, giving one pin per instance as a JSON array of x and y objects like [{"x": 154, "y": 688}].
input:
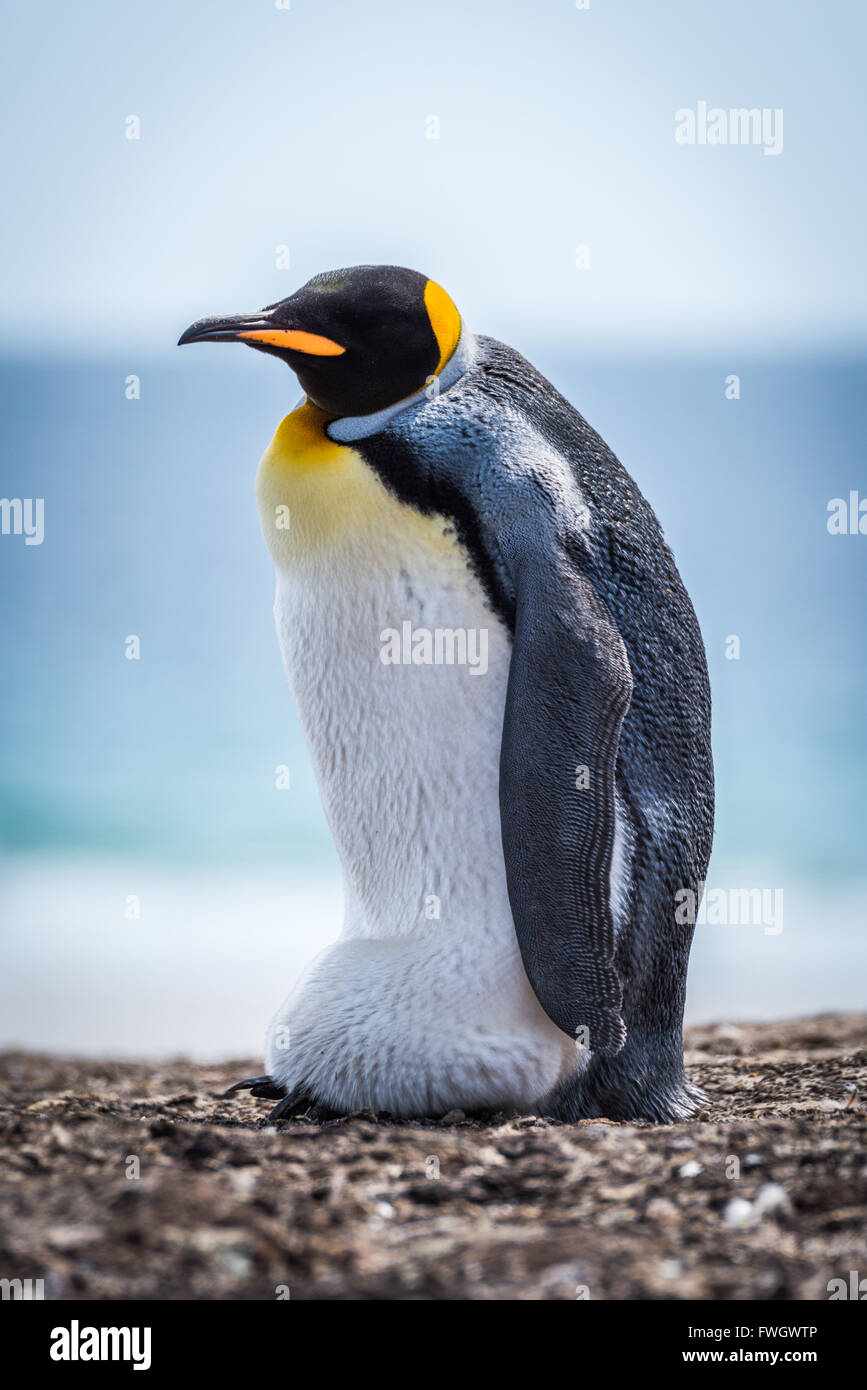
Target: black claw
[
  {"x": 320, "y": 1113},
  {"x": 299, "y": 1105},
  {"x": 264, "y": 1086},
  {"x": 292, "y": 1106},
  {"x": 296, "y": 1103}
]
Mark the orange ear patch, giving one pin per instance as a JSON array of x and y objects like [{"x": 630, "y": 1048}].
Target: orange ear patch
[
  {"x": 296, "y": 339},
  {"x": 445, "y": 321}
]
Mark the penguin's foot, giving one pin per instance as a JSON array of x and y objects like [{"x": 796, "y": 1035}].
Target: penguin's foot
[
  {"x": 298, "y": 1105},
  {"x": 626, "y": 1089},
  {"x": 295, "y": 1105},
  {"x": 264, "y": 1086}
]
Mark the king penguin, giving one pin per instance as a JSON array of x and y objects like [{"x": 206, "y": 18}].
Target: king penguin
[{"x": 503, "y": 687}]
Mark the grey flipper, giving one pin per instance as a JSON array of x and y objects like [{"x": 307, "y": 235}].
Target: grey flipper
[
  {"x": 569, "y": 690},
  {"x": 520, "y": 511}
]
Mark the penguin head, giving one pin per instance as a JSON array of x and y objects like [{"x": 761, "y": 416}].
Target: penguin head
[{"x": 358, "y": 340}]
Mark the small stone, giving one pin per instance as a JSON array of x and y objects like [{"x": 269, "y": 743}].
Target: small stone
[
  {"x": 772, "y": 1197},
  {"x": 235, "y": 1262},
  {"x": 453, "y": 1117},
  {"x": 670, "y": 1269},
  {"x": 72, "y": 1237},
  {"x": 243, "y": 1180},
  {"x": 524, "y": 1121},
  {"x": 690, "y": 1169},
  {"x": 738, "y": 1212},
  {"x": 60, "y": 1136},
  {"x": 661, "y": 1209}
]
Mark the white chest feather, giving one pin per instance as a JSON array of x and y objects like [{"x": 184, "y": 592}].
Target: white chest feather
[{"x": 399, "y": 671}]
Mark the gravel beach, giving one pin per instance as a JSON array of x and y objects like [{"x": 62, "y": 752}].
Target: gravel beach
[{"x": 136, "y": 1181}]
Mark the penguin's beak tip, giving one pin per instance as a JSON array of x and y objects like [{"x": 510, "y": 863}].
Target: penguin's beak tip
[
  {"x": 226, "y": 329},
  {"x": 204, "y": 329}
]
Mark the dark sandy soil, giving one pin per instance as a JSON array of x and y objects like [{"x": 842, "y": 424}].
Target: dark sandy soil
[{"x": 225, "y": 1207}]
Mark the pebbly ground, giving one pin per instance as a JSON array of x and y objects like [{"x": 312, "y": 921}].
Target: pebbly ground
[{"x": 225, "y": 1207}]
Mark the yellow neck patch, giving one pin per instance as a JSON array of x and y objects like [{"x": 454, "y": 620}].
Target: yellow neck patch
[
  {"x": 301, "y": 439},
  {"x": 316, "y": 495},
  {"x": 445, "y": 321}
]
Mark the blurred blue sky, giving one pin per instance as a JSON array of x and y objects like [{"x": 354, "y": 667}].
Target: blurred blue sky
[{"x": 306, "y": 127}]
